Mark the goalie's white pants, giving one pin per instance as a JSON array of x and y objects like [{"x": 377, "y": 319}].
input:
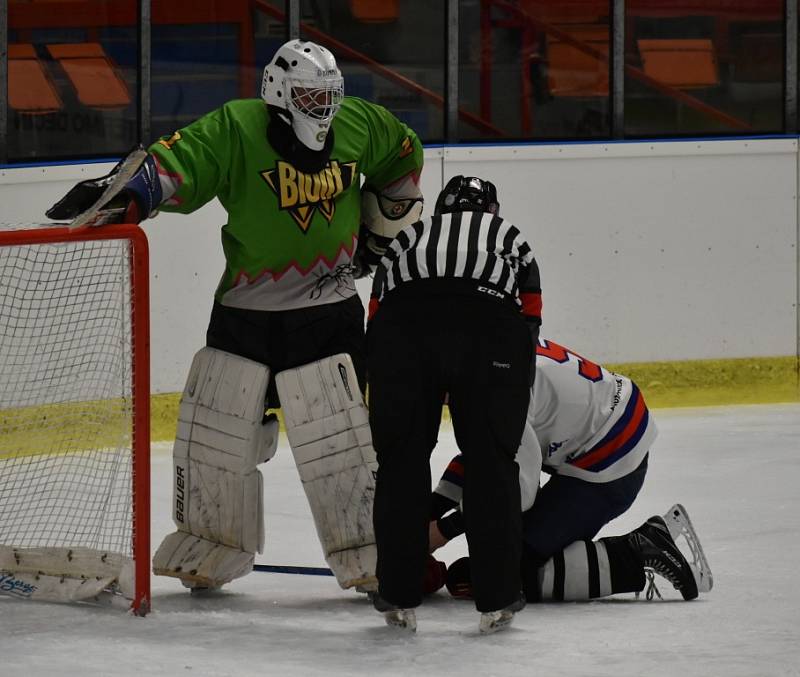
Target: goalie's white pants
[
  {"x": 328, "y": 428},
  {"x": 218, "y": 498}
]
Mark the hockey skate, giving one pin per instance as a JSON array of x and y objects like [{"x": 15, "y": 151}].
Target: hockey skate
[
  {"x": 679, "y": 524},
  {"x": 494, "y": 621},
  {"x": 395, "y": 617},
  {"x": 655, "y": 542}
]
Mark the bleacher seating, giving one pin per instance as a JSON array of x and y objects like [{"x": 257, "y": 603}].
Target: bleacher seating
[{"x": 30, "y": 87}]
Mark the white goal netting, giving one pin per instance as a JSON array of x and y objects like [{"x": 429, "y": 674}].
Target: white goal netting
[
  {"x": 65, "y": 384},
  {"x": 66, "y": 395}
]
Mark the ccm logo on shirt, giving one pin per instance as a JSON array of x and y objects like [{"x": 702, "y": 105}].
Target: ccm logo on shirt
[{"x": 492, "y": 292}]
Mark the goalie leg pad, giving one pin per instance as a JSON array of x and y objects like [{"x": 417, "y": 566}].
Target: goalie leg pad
[
  {"x": 199, "y": 562},
  {"x": 223, "y": 506},
  {"x": 222, "y": 436},
  {"x": 328, "y": 428},
  {"x": 221, "y": 417}
]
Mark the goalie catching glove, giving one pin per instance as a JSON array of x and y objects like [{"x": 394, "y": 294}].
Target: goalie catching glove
[{"x": 129, "y": 193}]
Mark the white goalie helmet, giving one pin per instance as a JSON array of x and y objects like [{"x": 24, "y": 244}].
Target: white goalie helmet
[
  {"x": 384, "y": 217},
  {"x": 304, "y": 80}
]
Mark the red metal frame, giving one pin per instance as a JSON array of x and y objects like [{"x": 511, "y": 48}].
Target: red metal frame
[
  {"x": 140, "y": 437},
  {"x": 140, "y": 325}
]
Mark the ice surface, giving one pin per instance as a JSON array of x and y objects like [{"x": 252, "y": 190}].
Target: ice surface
[{"x": 736, "y": 469}]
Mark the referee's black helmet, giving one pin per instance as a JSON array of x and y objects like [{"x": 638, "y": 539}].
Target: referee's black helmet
[{"x": 467, "y": 194}]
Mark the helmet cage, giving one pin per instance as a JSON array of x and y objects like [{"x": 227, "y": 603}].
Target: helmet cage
[{"x": 317, "y": 100}]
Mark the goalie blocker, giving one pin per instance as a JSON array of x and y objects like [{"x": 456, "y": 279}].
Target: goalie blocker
[{"x": 223, "y": 436}]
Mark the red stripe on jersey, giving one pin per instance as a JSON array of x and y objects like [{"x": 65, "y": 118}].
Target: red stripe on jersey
[
  {"x": 373, "y": 307},
  {"x": 613, "y": 444},
  {"x": 531, "y": 303},
  {"x": 456, "y": 466}
]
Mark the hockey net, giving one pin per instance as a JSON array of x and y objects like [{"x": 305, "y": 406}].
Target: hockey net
[{"x": 74, "y": 413}]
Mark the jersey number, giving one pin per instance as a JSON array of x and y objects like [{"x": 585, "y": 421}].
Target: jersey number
[{"x": 589, "y": 370}]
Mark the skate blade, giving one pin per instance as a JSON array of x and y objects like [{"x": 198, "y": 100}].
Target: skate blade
[
  {"x": 704, "y": 579},
  {"x": 679, "y": 524},
  {"x": 401, "y": 619},
  {"x": 495, "y": 621}
]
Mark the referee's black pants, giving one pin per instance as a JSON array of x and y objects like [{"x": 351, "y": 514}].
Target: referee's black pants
[{"x": 478, "y": 351}]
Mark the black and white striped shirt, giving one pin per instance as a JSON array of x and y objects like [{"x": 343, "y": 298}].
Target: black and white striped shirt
[{"x": 473, "y": 246}]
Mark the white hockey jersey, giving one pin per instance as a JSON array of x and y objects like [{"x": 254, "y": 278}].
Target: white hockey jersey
[{"x": 583, "y": 421}]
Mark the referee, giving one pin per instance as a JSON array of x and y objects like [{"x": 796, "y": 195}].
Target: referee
[{"x": 455, "y": 311}]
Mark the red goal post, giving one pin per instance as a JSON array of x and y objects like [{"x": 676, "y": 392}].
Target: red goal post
[{"x": 74, "y": 413}]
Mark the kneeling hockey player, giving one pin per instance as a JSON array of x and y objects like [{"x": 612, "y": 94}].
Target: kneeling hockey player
[{"x": 591, "y": 431}]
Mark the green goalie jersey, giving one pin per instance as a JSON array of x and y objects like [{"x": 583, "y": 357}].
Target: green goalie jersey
[{"x": 290, "y": 236}]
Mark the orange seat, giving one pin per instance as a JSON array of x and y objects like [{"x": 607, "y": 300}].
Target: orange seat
[
  {"x": 93, "y": 74},
  {"x": 685, "y": 64},
  {"x": 375, "y": 11},
  {"x": 572, "y": 72},
  {"x": 30, "y": 89}
]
